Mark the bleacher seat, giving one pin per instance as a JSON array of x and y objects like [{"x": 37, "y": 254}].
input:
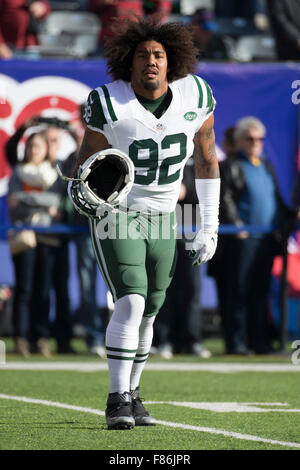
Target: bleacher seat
[
  {"x": 69, "y": 34},
  {"x": 255, "y": 48},
  {"x": 68, "y": 5},
  {"x": 188, "y": 7},
  {"x": 235, "y": 27}
]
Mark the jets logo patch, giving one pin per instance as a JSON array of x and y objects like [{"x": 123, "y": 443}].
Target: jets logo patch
[{"x": 190, "y": 116}]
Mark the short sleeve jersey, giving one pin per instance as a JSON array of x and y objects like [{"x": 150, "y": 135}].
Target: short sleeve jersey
[{"x": 158, "y": 147}]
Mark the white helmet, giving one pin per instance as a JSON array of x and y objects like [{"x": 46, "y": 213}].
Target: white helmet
[{"x": 104, "y": 180}]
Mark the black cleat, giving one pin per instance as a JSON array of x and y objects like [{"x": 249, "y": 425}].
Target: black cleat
[
  {"x": 140, "y": 414},
  {"x": 119, "y": 411}
]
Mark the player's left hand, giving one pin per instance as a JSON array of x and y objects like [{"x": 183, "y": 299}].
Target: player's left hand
[{"x": 203, "y": 247}]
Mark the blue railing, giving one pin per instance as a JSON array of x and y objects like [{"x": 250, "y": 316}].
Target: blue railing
[{"x": 69, "y": 229}]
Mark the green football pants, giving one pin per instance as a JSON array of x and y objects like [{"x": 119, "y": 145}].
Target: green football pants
[{"x": 136, "y": 255}]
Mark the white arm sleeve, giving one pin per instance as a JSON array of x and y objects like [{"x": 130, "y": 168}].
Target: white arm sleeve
[
  {"x": 205, "y": 242},
  {"x": 208, "y": 192}
]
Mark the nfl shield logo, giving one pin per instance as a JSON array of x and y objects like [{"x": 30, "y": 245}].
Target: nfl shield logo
[{"x": 159, "y": 127}]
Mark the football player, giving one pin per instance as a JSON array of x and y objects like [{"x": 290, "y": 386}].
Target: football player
[{"x": 159, "y": 113}]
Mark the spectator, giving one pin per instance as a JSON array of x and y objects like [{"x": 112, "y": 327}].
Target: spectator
[
  {"x": 19, "y": 22},
  {"x": 89, "y": 312},
  {"x": 60, "y": 258},
  {"x": 219, "y": 266},
  {"x": 236, "y": 8},
  {"x": 210, "y": 44},
  {"x": 5, "y": 172},
  {"x": 285, "y": 22},
  {"x": 58, "y": 243},
  {"x": 33, "y": 200},
  {"x": 296, "y": 196},
  {"x": 179, "y": 327},
  {"x": 250, "y": 196},
  {"x": 109, "y": 11},
  {"x": 229, "y": 144}
]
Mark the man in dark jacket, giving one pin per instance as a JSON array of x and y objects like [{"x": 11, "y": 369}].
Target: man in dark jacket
[
  {"x": 249, "y": 196},
  {"x": 285, "y": 22}
]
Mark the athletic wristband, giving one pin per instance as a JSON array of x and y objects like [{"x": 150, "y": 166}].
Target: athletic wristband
[{"x": 208, "y": 192}]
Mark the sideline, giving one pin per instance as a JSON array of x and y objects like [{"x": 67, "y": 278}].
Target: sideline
[
  {"x": 220, "y": 367},
  {"x": 235, "y": 435}
]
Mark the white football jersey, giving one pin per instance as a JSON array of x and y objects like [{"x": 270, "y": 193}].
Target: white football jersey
[{"x": 158, "y": 147}]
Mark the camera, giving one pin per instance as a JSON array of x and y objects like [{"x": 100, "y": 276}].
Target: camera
[{"x": 53, "y": 122}]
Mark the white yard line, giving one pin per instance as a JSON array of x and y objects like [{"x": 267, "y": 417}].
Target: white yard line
[
  {"x": 235, "y": 435},
  {"x": 158, "y": 366}
]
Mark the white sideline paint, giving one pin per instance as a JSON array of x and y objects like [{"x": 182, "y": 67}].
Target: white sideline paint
[
  {"x": 228, "y": 407},
  {"x": 52, "y": 403},
  {"x": 235, "y": 435},
  {"x": 159, "y": 366}
]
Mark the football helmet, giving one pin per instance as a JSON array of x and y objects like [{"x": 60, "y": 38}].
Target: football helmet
[{"x": 103, "y": 181}]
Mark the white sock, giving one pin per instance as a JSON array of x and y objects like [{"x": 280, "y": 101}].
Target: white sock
[
  {"x": 122, "y": 339},
  {"x": 145, "y": 341}
]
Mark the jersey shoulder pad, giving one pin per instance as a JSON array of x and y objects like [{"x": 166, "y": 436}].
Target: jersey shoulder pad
[
  {"x": 101, "y": 105},
  {"x": 93, "y": 114},
  {"x": 206, "y": 99}
]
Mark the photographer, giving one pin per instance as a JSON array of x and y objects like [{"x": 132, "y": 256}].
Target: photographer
[{"x": 52, "y": 126}]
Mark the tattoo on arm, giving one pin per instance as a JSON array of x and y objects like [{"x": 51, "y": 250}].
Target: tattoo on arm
[
  {"x": 206, "y": 162},
  {"x": 211, "y": 153},
  {"x": 209, "y": 133}
]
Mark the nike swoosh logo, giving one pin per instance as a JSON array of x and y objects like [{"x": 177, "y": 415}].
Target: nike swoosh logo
[{"x": 174, "y": 226}]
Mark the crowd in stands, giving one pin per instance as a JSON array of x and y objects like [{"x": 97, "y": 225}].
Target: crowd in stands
[
  {"x": 231, "y": 30},
  {"x": 37, "y": 196}
]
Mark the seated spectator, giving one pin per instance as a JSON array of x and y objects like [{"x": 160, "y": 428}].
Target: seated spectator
[
  {"x": 33, "y": 200},
  {"x": 236, "y": 8},
  {"x": 210, "y": 45},
  {"x": 19, "y": 22},
  {"x": 110, "y": 11},
  {"x": 285, "y": 22}
]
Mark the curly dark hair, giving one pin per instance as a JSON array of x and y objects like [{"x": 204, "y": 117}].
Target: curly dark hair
[{"x": 176, "y": 38}]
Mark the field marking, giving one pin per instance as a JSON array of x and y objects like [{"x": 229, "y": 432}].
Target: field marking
[
  {"x": 228, "y": 407},
  {"x": 235, "y": 435},
  {"x": 157, "y": 366},
  {"x": 52, "y": 403}
]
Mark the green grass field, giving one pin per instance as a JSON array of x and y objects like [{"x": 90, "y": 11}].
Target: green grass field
[{"x": 240, "y": 410}]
